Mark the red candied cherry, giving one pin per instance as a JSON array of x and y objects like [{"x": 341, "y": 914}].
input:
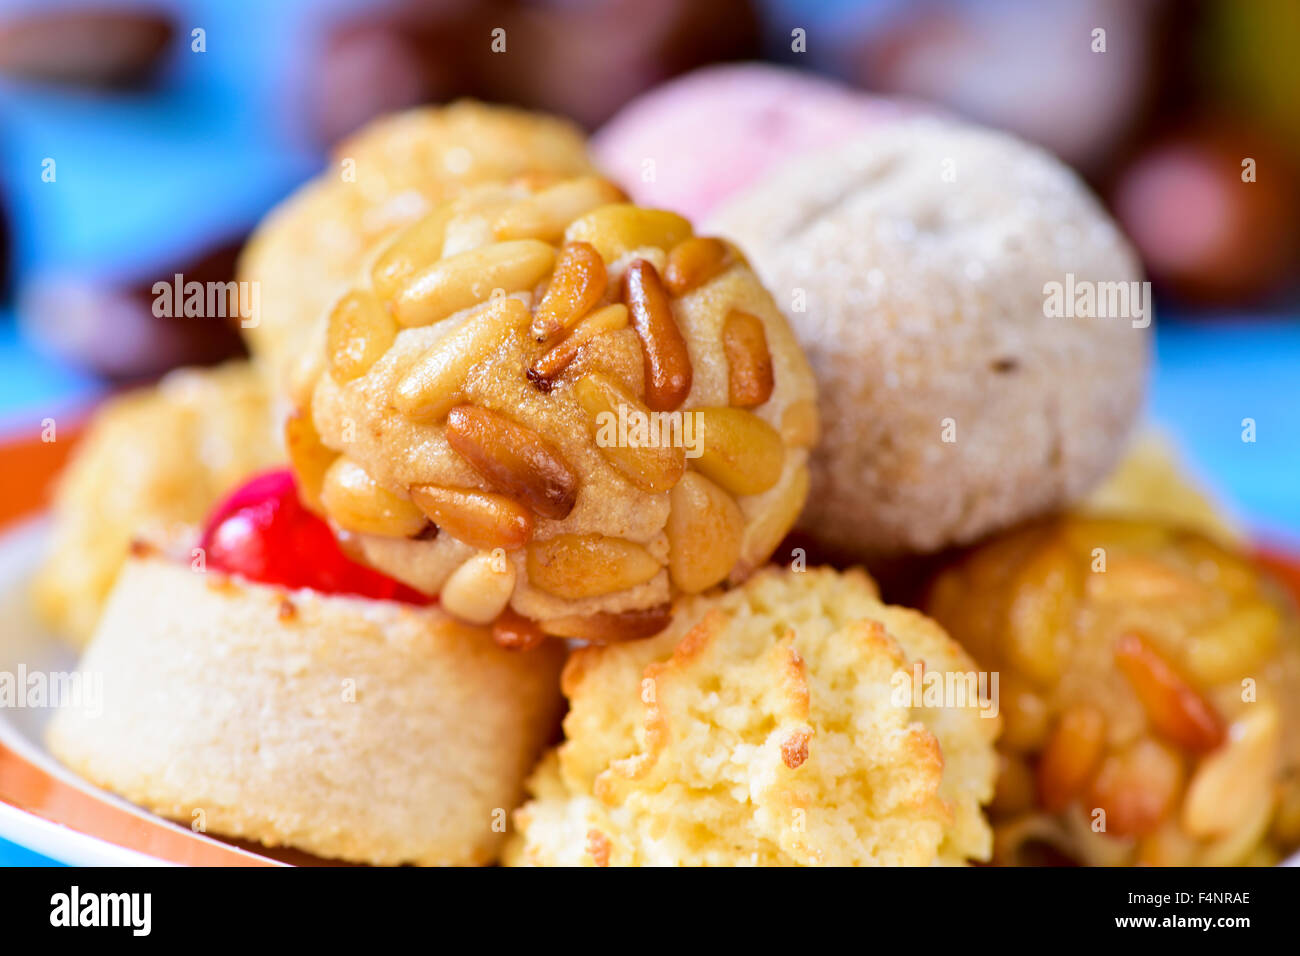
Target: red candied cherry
[{"x": 263, "y": 532}]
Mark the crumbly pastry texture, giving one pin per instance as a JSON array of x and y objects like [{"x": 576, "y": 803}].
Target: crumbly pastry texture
[
  {"x": 1150, "y": 687},
  {"x": 353, "y": 729},
  {"x": 152, "y": 458},
  {"x": 594, "y": 408},
  {"x": 759, "y": 729},
  {"x": 912, "y": 264},
  {"x": 385, "y": 176}
]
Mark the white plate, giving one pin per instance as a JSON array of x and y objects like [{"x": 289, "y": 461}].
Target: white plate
[{"x": 23, "y": 643}]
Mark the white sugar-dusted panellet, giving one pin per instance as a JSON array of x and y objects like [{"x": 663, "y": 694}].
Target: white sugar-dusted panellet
[
  {"x": 360, "y": 730},
  {"x": 914, "y": 265},
  {"x": 765, "y": 727}
]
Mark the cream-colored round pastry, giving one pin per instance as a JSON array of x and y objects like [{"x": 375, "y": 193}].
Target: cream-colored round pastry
[
  {"x": 915, "y": 266},
  {"x": 566, "y": 390},
  {"x": 774, "y": 724},
  {"x": 354, "y": 729},
  {"x": 154, "y": 457},
  {"x": 383, "y": 177}
]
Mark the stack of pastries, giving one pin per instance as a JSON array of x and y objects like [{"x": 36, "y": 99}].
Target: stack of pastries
[{"x": 479, "y": 558}]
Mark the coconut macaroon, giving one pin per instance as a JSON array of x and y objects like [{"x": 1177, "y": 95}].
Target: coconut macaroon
[
  {"x": 152, "y": 458},
  {"x": 774, "y": 724},
  {"x": 553, "y": 401},
  {"x": 360, "y": 730},
  {"x": 387, "y": 175},
  {"x": 917, "y": 266}
]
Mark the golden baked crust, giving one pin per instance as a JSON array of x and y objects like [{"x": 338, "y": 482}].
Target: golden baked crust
[
  {"x": 761, "y": 728},
  {"x": 1150, "y": 683},
  {"x": 153, "y": 457},
  {"x": 914, "y": 266},
  {"x": 421, "y": 359},
  {"x": 387, "y": 175},
  {"x": 353, "y": 729}
]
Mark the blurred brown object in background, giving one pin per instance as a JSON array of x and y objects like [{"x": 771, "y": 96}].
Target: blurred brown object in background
[
  {"x": 586, "y": 58},
  {"x": 582, "y": 59},
  {"x": 86, "y": 47},
  {"x": 1038, "y": 70},
  {"x": 1246, "y": 54},
  {"x": 1206, "y": 233},
  {"x": 383, "y": 62},
  {"x": 107, "y": 324}
]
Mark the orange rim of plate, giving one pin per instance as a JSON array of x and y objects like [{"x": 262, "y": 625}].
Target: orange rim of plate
[{"x": 28, "y": 467}]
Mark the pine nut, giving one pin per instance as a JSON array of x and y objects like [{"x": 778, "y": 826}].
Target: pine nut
[
  {"x": 693, "y": 262},
  {"x": 667, "y": 361},
  {"x": 575, "y": 566},
  {"x": 515, "y": 632},
  {"x": 513, "y": 459},
  {"x": 652, "y": 469},
  {"x": 800, "y": 425},
  {"x": 429, "y": 389},
  {"x": 481, "y": 519},
  {"x": 740, "y": 451},
  {"x": 411, "y": 249},
  {"x": 545, "y": 215},
  {"x": 560, "y": 356},
  {"x": 1175, "y": 709},
  {"x": 1243, "y": 844},
  {"x": 1071, "y": 756},
  {"x": 308, "y": 456},
  {"x": 1230, "y": 781},
  {"x": 704, "y": 533},
  {"x": 360, "y": 331},
  {"x": 477, "y": 591},
  {"x": 1137, "y": 787},
  {"x": 1026, "y": 720},
  {"x": 576, "y": 286},
  {"x": 357, "y": 503},
  {"x": 749, "y": 363},
  {"x": 1047, "y": 588},
  {"x": 610, "y": 628},
  {"x": 618, "y": 229},
  {"x": 466, "y": 279},
  {"x": 1235, "y": 644}
]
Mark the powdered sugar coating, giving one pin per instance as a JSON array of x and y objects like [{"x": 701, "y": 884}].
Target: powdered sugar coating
[{"x": 912, "y": 264}]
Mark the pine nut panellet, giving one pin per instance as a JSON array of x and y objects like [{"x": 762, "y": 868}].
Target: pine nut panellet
[
  {"x": 1147, "y": 679},
  {"x": 518, "y": 370}
]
